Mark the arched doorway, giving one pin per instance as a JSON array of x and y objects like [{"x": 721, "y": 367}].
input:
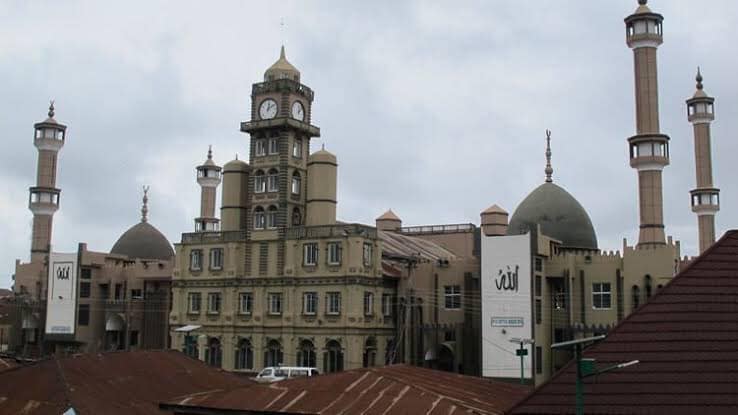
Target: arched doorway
[
  {"x": 244, "y": 355},
  {"x": 333, "y": 357},
  {"x": 273, "y": 353},
  {"x": 446, "y": 357},
  {"x": 370, "y": 352},
  {"x": 306, "y": 354},
  {"x": 213, "y": 353}
]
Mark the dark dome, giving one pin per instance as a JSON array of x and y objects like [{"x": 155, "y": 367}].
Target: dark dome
[
  {"x": 143, "y": 241},
  {"x": 559, "y": 214}
]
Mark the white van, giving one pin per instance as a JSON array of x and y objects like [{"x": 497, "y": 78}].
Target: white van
[{"x": 275, "y": 374}]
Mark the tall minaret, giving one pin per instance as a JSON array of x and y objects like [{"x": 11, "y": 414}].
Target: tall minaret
[
  {"x": 48, "y": 138},
  {"x": 208, "y": 177},
  {"x": 649, "y": 149},
  {"x": 705, "y": 197}
]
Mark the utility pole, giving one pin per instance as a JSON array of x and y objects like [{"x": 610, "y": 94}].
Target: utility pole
[
  {"x": 586, "y": 367},
  {"x": 522, "y": 352}
]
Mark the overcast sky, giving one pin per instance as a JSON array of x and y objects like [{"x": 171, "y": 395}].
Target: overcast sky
[{"x": 434, "y": 109}]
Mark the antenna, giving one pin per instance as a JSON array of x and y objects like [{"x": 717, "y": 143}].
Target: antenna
[{"x": 577, "y": 341}]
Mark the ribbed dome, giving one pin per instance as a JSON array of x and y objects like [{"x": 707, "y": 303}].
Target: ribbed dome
[
  {"x": 559, "y": 214},
  {"x": 282, "y": 69},
  {"x": 143, "y": 241}
]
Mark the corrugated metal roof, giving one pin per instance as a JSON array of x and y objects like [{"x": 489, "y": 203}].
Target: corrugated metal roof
[
  {"x": 396, "y": 244},
  {"x": 109, "y": 383},
  {"x": 686, "y": 339},
  {"x": 397, "y": 389}
]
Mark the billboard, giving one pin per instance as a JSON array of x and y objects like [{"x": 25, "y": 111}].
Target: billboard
[
  {"x": 506, "y": 305},
  {"x": 61, "y": 304}
]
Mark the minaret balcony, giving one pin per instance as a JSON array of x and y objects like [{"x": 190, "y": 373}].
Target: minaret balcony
[
  {"x": 207, "y": 224},
  {"x": 208, "y": 176},
  {"x": 701, "y": 110},
  {"x": 649, "y": 151},
  {"x": 43, "y": 200},
  {"x": 705, "y": 201},
  {"x": 49, "y": 138},
  {"x": 644, "y": 30},
  {"x": 281, "y": 122}
]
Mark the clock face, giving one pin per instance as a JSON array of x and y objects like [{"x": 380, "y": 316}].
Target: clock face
[
  {"x": 298, "y": 112},
  {"x": 268, "y": 109}
]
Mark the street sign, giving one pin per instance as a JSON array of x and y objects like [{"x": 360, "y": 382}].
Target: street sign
[{"x": 521, "y": 352}]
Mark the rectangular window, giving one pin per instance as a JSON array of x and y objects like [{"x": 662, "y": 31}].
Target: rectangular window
[
  {"x": 296, "y": 184},
  {"x": 368, "y": 303},
  {"x": 333, "y": 303},
  {"x": 84, "y": 290},
  {"x": 83, "y": 315},
  {"x": 310, "y": 254},
  {"x": 601, "y": 295},
  {"x": 195, "y": 260},
  {"x": 539, "y": 286},
  {"x": 260, "y": 183},
  {"x": 104, "y": 291},
  {"x": 539, "y": 264},
  {"x": 213, "y": 303},
  {"x": 310, "y": 303},
  {"x": 539, "y": 311},
  {"x": 539, "y": 360},
  {"x": 452, "y": 297},
  {"x": 194, "y": 301},
  {"x": 246, "y": 303},
  {"x": 387, "y": 305},
  {"x": 137, "y": 294},
  {"x": 334, "y": 253},
  {"x": 260, "y": 147},
  {"x": 275, "y": 303},
  {"x": 367, "y": 254},
  {"x": 273, "y": 182},
  {"x": 449, "y": 336},
  {"x": 120, "y": 294},
  {"x": 86, "y": 274},
  {"x": 216, "y": 258},
  {"x": 297, "y": 148},
  {"x": 273, "y": 145}
]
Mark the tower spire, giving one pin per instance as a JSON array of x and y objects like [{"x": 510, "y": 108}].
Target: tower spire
[
  {"x": 698, "y": 78},
  {"x": 549, "y": 169},
  {"x": 51, "y": 109},
  {"x": 210, "y": 152},
  {"x": 145, "y": 207}
]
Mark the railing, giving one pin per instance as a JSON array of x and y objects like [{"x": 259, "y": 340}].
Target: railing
[
  {"x": 281, "y": 84},
  {"x": 213, "y": 237},
  {"x": 331, "y": 231},
  {"x": 460, "y": 227}
]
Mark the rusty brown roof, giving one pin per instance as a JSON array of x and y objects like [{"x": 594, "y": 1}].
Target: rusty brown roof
[
  {"x": 397, "y": 389},
  {"x": 5, "y": 293},
  {"x": 686, "y": 338},
  {"x": 108, "y": 383}
]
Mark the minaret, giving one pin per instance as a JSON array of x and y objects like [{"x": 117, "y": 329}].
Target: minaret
[
  {"x": 48, "y": 138},
  {"x": 649, "y": 149},
  {"x": 705, "y": 197},
  {"x": 208, "y": 177}
]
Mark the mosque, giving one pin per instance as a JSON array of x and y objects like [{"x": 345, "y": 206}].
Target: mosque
[{"x": 277, "y": 279}]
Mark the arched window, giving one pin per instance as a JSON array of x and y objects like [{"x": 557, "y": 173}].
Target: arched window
[
  {"x": 190, "y": 346},
  {"x": 389, "y": 352},
  {"x": 259, "y": 182},
  {"x": 273, "y": 354},
  {"x": 273, "y": 181},
  {"x": 271, "y": 218},
  {"x": 370, "y": 352},
  {"x": 333, "y": 357},
  {"x": 297, "y": 148},
  {"x": 636, "y": 292},
  {"x": 244, "y": 355},
  {"x": 647, "y": 283},
  {"x": 213, "y": 355},
  {"x": 259, "y": 218},
  {"x": 296, "y": 183},
  {"x": 306, "y": 354},
  {"x": 296, "y": 217}
]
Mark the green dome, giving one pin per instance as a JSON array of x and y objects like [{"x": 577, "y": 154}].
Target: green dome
[{"x": 560, "y": 215}]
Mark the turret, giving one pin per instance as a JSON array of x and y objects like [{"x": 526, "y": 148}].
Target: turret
[
  {"x": 705, "y": 197},
  {"x": 322, "y": 172},
  {"x": 208, "y": 177},
  {"x": 649, "y": 149},
  {"x": 388, "y": 221},
  {"x": 49, "y": 137},
  {"x": 494, "y": 221},
  {"x": 235, "y": 198}
]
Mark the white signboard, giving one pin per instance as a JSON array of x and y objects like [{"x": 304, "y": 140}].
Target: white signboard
[
  {"x": 62, "y": 294},
  {"x": 506, "y": 305}
]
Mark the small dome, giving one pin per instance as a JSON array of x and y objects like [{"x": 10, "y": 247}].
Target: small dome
[
  {"x": 143, "y": 241},
  {"x": 389, "y": 215},
  {"x": 558, "y": 213},
  {"x": 236, "y": 165},
  {"x": 322, "y": 156},
  {"x": 494, "y": 209},
  {"x": 281, "y": 69}
]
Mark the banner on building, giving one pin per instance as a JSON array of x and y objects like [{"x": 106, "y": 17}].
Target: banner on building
[
  {"x": 61, "y": 304},
  {"x": 506, "y": 305}
]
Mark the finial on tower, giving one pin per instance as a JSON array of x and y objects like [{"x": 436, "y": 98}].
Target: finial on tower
[
  {"x": 642, "y": 2},
  {"x": 282, "y": 54},
  {"x": 698, "y": 78},
  {"x": 210, "y": 152},
  {"x": 145, "y": 207},
  {"x": 51, "y": 109},
  {"x": 549, "y": 169}
]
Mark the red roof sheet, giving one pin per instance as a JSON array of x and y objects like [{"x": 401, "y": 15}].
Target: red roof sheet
[
  {"x": 686, "y": 338},
  {"x": 109, "y": 383},
  {"x": 397, "y": 389}
]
